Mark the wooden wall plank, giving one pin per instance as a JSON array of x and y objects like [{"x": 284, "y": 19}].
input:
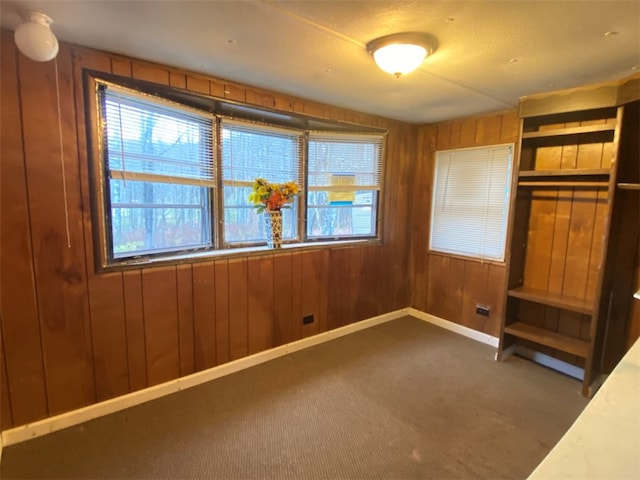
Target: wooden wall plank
[
  {"x": 216, "y": 88},
  {"x": 204, "y": 313},
  {"x": 311, "y": 287},
  {"x": 467, "y": 132},
  {"x": 178, "y": 80},
  {"x": 540, "y": 240},
  {"x": 283, "y": 320},
  {"x": 160, "y": 300},
  {"x": 510, "y": 127},
  {"x": 476, "y": 276},
  {"x": 437, "y": 286},
  {"x": 338, "y": 288},
  {"x": 597, "y": 239},
  {"x": 234, "y": 92},
  {"x": 559, "y": 241},
  {"x": 222, "y": 311},
  {"x": 283, "y": 103},
  {"x": 495, "y": 298},
  {"x": 296, "y": 296},
  {"x": 121, "y": 66},
  {"x": 108, "y": 328},
  {"x": 134, "y": 316},
  {"x": 59, "y": 269},
  {"x": 20, "y": 324},
  {"x": 579, "y": 244},
  {"x": 150, "y": 73},
  {"x": 371, "y": 283},
  {"x": 443, "y": 139},
  {"x": 6, "y": 415},
  {"x": 260, "y": 98},
  {"x": 238, "y": 308},
  {"x": 488, "y": 130},
  {"x": 197, "y": 84},
  {"x": 421, "y": 212},
  {"x": 184, "y": 281},
  {"x": 106, "y": 296},
  {"x": 260, "y": 303}
]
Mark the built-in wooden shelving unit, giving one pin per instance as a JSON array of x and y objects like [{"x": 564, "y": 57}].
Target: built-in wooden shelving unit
[{"x": 569, "y": 232}]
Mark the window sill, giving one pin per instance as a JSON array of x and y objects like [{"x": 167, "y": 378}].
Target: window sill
[
  {"x": 231, "y": 253},
  {"x": 467, "y": 258}
]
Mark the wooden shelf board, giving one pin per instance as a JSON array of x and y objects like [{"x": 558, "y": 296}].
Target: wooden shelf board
[
  {"x": 551, "y": 339},
  {"x": 552, "y": 299},
  {"x": 565, "y": 184},
  {"x": 629, "y": 186},
  {"x": 575, "y": 172},
  {"x": 605, "y": 127}
]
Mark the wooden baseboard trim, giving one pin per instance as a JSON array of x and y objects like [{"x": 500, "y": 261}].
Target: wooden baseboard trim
[
  {"x": 90, "y": 412},
  {"x": 454, "y": 327}
]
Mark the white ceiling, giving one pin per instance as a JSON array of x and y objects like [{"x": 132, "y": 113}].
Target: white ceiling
[{"x": 490, "y": 52}]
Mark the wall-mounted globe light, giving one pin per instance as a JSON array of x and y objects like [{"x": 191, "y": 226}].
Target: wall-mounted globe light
[{"x": 35, "y": 38}]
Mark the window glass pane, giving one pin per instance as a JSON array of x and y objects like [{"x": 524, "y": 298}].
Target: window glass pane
[
  {"x": 144, "y": 136},
  {"x": 343, "y": 183},
  {"x": 243, "y": 225},
  {"x": 336, "y": 219},
  {"x": 149, "y": 217},
  {"x": 470, "y": 201},
  {"x": 159, "y": 161},
  {"x": 250, "y": 151}
]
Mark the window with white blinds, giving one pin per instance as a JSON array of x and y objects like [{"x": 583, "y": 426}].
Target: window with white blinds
[
  {"x": 160, "y": 172},
  {"x": 343, "y": 183},
  {"x": 470, "y": 201},
  {"x": 173, "y": 174},
  {"x": 249, "y": 151}
]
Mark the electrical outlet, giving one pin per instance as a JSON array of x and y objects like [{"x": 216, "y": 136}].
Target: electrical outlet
[
  {"x": 482, "y": 310},
  {"x": 307, "y": 319}
]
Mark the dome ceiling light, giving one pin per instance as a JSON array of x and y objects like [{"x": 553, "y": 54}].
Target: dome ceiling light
[
  {"x": 401, "y": 53},
  {"x": 35, "y": 38}
]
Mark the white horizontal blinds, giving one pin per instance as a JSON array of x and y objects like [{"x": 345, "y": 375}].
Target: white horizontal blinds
[
  {"x": 470, "y": 201},
  {"x": 250, "y": 151},
  {"x": 333, "y": 155},
  {"x": 151, "y": 139}
]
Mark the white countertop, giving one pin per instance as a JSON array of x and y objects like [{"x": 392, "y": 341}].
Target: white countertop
[{"x": 604, "y": 442}]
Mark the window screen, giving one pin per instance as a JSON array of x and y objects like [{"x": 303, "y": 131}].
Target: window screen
[{"x": 470, "y": 201}]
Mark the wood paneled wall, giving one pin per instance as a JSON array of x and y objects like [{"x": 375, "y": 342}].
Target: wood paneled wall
[
  {"x": 444, "y": 285},
  {"x": 72, "y": 337}
]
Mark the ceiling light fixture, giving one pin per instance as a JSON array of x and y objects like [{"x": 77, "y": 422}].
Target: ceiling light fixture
[
  {"x": 401, "y": 53},
  {"x": 35, "y": 38}
]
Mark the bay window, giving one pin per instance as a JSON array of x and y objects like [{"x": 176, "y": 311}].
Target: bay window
[{"x": 171, "y": 178}]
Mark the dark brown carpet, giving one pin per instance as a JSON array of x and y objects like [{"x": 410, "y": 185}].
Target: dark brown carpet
[{"x": 401, "y": 400}]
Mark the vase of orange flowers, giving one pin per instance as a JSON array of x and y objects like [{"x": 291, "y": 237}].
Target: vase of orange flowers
[{"x": 270, "y": 199}]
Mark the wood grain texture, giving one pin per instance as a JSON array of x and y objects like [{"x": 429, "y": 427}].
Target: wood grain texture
[
  {"x": 160, "y": 300},
  {"x": 136, "y": 343},
  {"x": 204, "y": 315},
  {"x": 238, "y": 308},
  {"x": 184, "y": 282},
  {"x": 60, "y": 273},
  {"x": 260, "y": 303},
  {"x": 25, "y": 376},
  {"x": 74, "y": 335},
  {"x": 222, "y": 311}
]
